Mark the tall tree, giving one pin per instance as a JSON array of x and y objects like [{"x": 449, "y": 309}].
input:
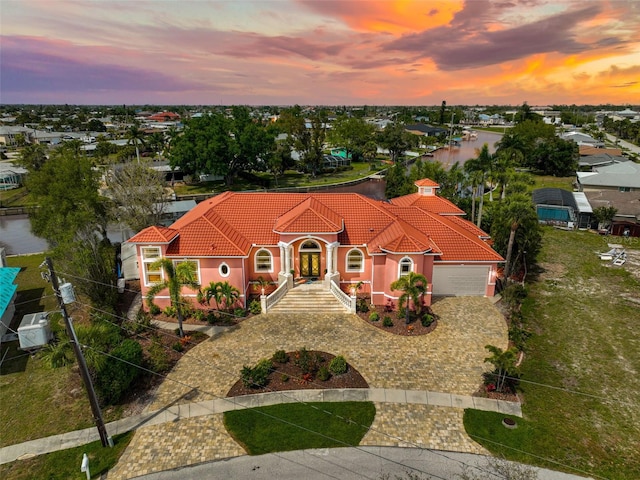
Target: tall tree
[
  {"x": 32, "y": 157},
  {"x": 183, "y": 274},
  {"x": 66, "y": 190},
  {"x": 352, "y": 134},
  {"x": 395, "y": 139},
  {"x": 135, "y": 137},
  {"x": 516, "y": 231},
  {"x": 138, "y": 193},
  {"x": 413, "y": 286}
]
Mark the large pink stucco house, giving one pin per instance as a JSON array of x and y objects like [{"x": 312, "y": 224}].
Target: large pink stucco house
[{"x": 338, "y": 239}]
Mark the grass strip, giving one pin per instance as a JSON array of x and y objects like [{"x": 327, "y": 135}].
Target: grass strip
[
  {"x": 65, "y": 464},
  {"x": 281, "y": 428},
  {"x": 584, "y": 315}
]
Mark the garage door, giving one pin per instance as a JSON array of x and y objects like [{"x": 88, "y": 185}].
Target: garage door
[{"x": 460, "y": 280}]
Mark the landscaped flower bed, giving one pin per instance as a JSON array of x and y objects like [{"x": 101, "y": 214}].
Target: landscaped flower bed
[
  {"x": 390, "y": 320},
  {"x": 302, "y": 369}
]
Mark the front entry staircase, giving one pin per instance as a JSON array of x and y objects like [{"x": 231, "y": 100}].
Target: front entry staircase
[{"x": 309, "y": 298}]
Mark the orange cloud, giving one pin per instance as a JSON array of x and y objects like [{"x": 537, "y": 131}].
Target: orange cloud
[{"x": 395, "y": 17}]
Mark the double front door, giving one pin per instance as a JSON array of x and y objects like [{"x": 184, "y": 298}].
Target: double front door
[{"x": 310, "y": 264}]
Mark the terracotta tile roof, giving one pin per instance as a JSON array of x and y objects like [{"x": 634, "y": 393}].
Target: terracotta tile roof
[
  {"x": 430, "y": 203},
  {"x": 230, "y": 223},
  {"x": 400, "y": 237},
  {"x": 154, "y": 235},
  {"x": 453, "y": 241},
  {"x": 468, "y": 225},
  {"x": 589, "y": 150},
  {"x": 426, "y": 182},
  {"x": 309, "y": 216}
]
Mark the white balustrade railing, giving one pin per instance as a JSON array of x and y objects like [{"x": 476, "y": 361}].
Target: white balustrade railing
[
  {"x": 343, "y": 298},
  {"x": 276, "y": 296}
]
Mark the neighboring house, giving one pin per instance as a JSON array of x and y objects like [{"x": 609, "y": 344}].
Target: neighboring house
[
  {"x": 623, "y": 177},
  {"x": 426, "y": 130},
  {"x": 8, "y": 294},
  {"x": 562, "y": 208},
  {"x": 591, "y": 150},
  {"x": 627, "y": 205},
  {"x": 589, "y": 162},
  {"x": 336, "y": 239},
  {"x": 582, "y": 139}
]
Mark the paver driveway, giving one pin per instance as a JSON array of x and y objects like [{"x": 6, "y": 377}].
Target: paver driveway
[{"x": 450, "y": 359}]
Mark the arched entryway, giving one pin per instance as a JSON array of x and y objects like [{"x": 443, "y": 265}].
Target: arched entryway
[{"x": 310, "y": 259}]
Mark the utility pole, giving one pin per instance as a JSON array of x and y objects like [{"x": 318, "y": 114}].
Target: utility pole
[{"x": 84, "y": 371}]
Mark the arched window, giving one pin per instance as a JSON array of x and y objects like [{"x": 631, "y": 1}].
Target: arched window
[
  {"x": 405, "y": 267},
  {"x": 355, "y": 261},
  {"x": 263, "y": 261},
  {"x": 310, "y": 245},
  {"x": 224, "y": 270}
]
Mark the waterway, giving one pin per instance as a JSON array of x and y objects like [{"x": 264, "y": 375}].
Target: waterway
[
  {"x": 467, "y": 149},
  {"x": 16, "y": 236}
]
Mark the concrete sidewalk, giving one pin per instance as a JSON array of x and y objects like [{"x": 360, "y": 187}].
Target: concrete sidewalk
[{"x": 220, "y": 405}]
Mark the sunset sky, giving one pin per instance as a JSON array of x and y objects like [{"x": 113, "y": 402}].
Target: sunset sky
[{"x": 349, "y": 52}]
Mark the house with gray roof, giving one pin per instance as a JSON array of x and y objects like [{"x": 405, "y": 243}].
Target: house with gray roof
[{"x": 623, "y": 177}]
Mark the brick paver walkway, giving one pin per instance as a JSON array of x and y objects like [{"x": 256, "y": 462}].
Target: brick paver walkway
[{"x": 450, "y": 360}]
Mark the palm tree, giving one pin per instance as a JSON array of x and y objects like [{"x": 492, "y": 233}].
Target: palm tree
[
  {"x": 518, "y": 209},
  {"x": 176, "y": 276},
  {"x": 504, "y": 362},
  {"x": 229, "y": 295},
  {"x": 212, "y": 291},
  {"x": 475, "y": 177},
  {"x": 135, "y": 137},
  {"x": 412, "y": 286}
]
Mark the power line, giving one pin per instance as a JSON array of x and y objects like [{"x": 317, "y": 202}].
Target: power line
[
  {"x": 576, "y": 392},
  {"x": 383, "y": 433},
  {"x": 295, "y": 400}
]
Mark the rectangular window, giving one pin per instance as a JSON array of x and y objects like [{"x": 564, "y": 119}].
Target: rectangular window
[
  {"x": 150, "y": 255},
  {"x": 624, "y": 189}
]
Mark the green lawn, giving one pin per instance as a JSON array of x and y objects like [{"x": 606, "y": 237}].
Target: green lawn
[
  {"x": 585, "y": 315},
  {"x": 548, "y": 181},
  {"x": 37, "y": 400},
  {"x": 65, "y": 464},
  {"x": 291, "y": 178},
  {"x": 281, "y": 428}
]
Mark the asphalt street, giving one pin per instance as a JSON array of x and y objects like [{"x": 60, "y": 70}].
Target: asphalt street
[{"x": 371, "y": 463}]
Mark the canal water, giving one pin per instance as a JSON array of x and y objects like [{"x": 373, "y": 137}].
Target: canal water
[
  {"x": 16, "y": 236},
  {"x": 467, "y": 149}
]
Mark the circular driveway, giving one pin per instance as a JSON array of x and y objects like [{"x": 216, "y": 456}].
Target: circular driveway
[{"x": 449, "y": 360}]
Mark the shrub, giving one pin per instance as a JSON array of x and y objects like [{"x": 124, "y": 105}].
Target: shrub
[
  {"x": 514, "y": 294},
  {"x": 115, "y": 377},
  {"x": 199, "y": 315},
  {"x": 158, "y": 360},
  {"x": 170, "y": 311},
  {"x": 305, "y": 361},
  {"x": 374, "y": 316},
  {"x": 258, "y": 376},
  {"x": 519, "y": 335},
  {"x": 280, "y": 356},
  {"x": 284, "y": 377},
  {"x": 362, "y": 305},
  {"x": 154, "y": 309},
  {"x": 141, "y": 324},
  {"x": 239, "y": 312},
  {"x": 323, "y": 373},
  {"x": 427, "y": 320},
  {"x": 212, "y": 318},
  {"x": 338, "y": 365},
  {"x": 387, "y": 322},
  {"x": 255, "y": 308},
  {"x": 178, "y": 347}
]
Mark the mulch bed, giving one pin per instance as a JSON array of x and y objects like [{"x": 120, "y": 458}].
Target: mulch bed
[
  {"x": 350, "y": 379},
  {"x": 400, "y": 326},
  {"x": 509, "y": 397}
]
